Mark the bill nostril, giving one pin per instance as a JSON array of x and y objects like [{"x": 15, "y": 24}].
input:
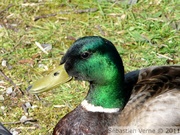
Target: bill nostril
[{"x": 56, "y": 73}]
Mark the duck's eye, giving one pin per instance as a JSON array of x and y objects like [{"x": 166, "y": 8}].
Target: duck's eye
[{"x": 85, "y": 55}]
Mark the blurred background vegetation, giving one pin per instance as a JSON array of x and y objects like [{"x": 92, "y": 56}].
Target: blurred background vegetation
[{"x": 145, "y": 34}]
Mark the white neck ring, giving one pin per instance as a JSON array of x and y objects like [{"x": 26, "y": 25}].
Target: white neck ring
[{"x": 92, "y": 108}]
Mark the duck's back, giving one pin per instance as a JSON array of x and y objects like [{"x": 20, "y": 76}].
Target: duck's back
[{"x": 155, "y": 99}]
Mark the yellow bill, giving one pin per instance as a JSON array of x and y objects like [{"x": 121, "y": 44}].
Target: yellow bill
[{"x": 56, "y": 77}]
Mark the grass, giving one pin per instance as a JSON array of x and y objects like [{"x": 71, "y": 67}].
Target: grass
[{"x": 145, "y": 34}]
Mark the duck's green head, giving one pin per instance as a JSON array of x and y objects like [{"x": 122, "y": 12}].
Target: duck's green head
[
  {"x": 96, "y": 60},
  {"x": 93, "y": 59}
]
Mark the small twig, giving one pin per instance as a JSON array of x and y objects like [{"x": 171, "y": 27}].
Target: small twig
[
  {"x": 40, "y": 47},
  {"x": 37, "y": 97},
  {"x": 101, "y": 30},
  {"x": 35, "y": 126},
  {"x": 85, "y": 10},
  {"x": 155, "y": 19},
  {"x": 44, "y": 16},
  {"x": 80, "y": 11},
  {"x": 10, "y": 123},
  {"x": 10, "y": 80},
  {"x": 30, "y": 4},
  {"x": 7, "y": 8},
  {"x": 66, "y": 12},
  {"x": 163, "y": 56},
  {"x": 7, "y": 78},
  {"x": 19, "y": 122},
  {"x": 147, "y": 39}
]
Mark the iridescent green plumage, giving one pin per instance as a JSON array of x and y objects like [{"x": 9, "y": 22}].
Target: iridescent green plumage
[{"x": 102, "y": 67}]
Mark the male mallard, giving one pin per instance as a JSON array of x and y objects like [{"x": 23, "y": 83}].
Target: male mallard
[{"x": 142, "y": 99}]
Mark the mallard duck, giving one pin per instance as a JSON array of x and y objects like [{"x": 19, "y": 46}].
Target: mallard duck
[{"x": 143, "y": 99}]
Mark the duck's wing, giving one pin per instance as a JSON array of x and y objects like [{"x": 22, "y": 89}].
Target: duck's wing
[
  {"x": 130, "y": 81},
  {"x": 155, "y": 98}
]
